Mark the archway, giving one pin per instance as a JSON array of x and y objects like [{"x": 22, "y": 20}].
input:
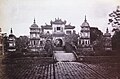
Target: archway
[{"x": 58, "y": 42}]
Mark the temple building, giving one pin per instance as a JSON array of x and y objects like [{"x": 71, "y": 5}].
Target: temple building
[
  {"x": 56, "y": 32},
  {"x": 11, "y": 42},
  {"x": 107, "y": 41},
  {"x": 59, "y": 32},
  {"x": 84, "y": 40}
]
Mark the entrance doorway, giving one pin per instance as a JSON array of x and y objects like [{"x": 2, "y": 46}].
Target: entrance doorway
[{"x": 58, "y": 42}]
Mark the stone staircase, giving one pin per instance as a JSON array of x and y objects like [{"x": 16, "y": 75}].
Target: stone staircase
[
  {"x": 59, "y": 49},
  {"x": 63, "y": 56}
]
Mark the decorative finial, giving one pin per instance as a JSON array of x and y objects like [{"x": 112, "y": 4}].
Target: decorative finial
[
  {"x": 11, "y": 31},
  {"x": 85, "y": 18},
  {"x": 118, "y": 7},
  {"x": 34, "y": 20},
  {"x": 107, "y": 31}
]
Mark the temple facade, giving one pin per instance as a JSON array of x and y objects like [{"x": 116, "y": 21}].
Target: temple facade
[
  {"x": 54, "y": 31},
  {"x": 58, "y": 29}
]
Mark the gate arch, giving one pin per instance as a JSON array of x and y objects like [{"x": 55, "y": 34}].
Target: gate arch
[{"x": 58, "y": 42}]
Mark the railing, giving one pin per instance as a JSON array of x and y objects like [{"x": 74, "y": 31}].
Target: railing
[{"x": 76, "y": 56}]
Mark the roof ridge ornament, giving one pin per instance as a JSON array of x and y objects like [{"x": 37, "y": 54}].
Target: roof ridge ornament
[
  {"x": 118, "y": 7},
  {"x": 107, "y": 31}
]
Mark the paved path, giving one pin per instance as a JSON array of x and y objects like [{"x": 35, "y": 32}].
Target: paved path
[
  {"x": 62, "y": 56},
  {"x": 74, "y": 70},
  {"x": 63, "y": 70}
]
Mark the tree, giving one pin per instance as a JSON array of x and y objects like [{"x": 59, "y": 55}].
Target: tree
[
  {"x": 115, "y": 23},
  {"x": 71, "y": 42},
  {"x": 98, "y": 46},
  {"x": 49, "y": 47},
  {"x": 115, "y": 19},
  {"x": 5, "y": 43},
  {"x": 22, "y": 43},
  {"x": 116, "y": 42},
  {"x": 95, "y": 34},
  {"x": 96, "y": 38}
]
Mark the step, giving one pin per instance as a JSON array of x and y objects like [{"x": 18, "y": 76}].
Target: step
[
  {"x": 58, "y": 48},
  {"x": 63, "y": 56}
]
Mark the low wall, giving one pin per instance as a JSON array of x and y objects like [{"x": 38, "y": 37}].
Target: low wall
[
  {"x": 99, "y": 59},
  {"x": 28, "y": 60}
]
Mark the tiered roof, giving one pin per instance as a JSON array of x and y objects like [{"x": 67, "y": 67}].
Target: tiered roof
[
  {"x": 11, "y": 33},
  {"x": 34, "y": 25},
  {"x": 107, "y": 34},
  {"x": 85, "y": 23},
  {"x": 59, "y": 22}
]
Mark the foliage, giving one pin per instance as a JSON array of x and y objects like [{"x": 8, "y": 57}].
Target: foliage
[
  {"x": 115, "y": 23},
  {"x": 49, "y": 47},
  {"x": 115, "y": 19},
  {"x": 22, "y": 43},
  {"x": 116, "y": 41},
  {"x": 97, "y": 40},
  {"x": 95, "y": 34}
]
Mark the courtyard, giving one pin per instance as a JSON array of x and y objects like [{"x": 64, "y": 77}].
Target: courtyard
[{"x": 45, "y": 68}]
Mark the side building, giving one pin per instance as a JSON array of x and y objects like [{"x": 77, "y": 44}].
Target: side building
[
  {"x": 11, "y": 42},
  {"x": 107, "y": 41}
]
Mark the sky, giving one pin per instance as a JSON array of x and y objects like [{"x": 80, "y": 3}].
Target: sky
[{"x": 19, "y": 14}]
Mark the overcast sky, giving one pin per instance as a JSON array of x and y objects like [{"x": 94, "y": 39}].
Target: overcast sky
[{"x": 19, "y": 14}]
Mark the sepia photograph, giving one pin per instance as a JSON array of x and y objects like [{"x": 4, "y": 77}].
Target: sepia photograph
[{"x": 59, "y": 39}]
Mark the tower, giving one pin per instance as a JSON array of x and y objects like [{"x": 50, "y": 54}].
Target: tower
[
  {"x": 107, "y": 41},
  {"x": 34, "y": 37},
  {"x": 85, "y": 36},
  {"x": 11, "y": 42}
]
